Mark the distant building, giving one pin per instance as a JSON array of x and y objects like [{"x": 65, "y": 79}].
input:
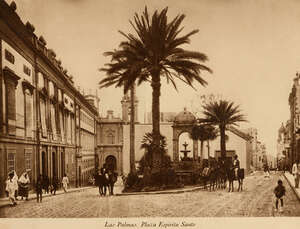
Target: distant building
[
  {"x": 165, "y": 117},
  {"x": 237, "y": 144},
  {"x": 284, "y": 152},
  {"x": 294, "y": 102}
]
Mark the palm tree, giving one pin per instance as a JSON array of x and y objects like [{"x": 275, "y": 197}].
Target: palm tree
[
  {"x": 114, "y": 72},
  {"x": 222, "y": 113},
  {"x": 155, "y": 53},
  {"x": 203, "y": 132}
]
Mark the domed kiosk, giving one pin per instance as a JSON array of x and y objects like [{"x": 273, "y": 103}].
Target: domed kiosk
[{"x": 183, "y": 122}]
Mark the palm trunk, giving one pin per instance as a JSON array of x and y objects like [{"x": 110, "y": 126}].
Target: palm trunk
[
  {"x": 208, "y": 149},
  {"x": 201, "y": 153},
  {"x": 132, "y": 130},
  {"x": 156, "y": 164},
  {"x": 222, "y": 141}
]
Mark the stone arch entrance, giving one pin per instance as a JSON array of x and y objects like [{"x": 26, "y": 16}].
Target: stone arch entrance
[
  {"x": 111, "y": 163},
  {"x": 44, "y": 163},
  {"x": 183, "y": 122}
]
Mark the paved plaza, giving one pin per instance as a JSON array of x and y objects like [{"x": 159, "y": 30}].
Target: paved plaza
[{"x": 255, "y": 201}]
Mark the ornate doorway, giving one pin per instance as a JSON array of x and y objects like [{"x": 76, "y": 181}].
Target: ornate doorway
[{"x": 111, "y": 163}]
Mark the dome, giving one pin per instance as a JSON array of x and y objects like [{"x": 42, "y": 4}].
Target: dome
[{"x": 185, "y": 117}]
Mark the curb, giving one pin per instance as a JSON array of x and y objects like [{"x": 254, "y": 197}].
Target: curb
[
  {"x": 160, "y": 192},
  {"x": 293, "y": 188},
  {"x": 49, "y": 195}
]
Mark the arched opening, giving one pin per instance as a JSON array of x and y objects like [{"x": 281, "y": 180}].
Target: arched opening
[
  {"x": 185, "y": 146},
  {"x": 54, "y": 167},
  {"x": 111, "y": 163},
  {"x": 62, "y": 159},
  {"x": 44, "y": 163},
  {"x": 79, "y": 175}
]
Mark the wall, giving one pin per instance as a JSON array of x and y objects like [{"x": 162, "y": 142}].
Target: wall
[
  {"x": 234, "y": 143},
  {"x": 140, "y": 130}
]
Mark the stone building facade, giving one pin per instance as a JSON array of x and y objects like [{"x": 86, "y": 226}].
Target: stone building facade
[
  {"x": 294, "y": 103},
  {"x": 284, "y": 145},
  {"x": 110, "y": 142},
  {"x": 46, "y": 126}
]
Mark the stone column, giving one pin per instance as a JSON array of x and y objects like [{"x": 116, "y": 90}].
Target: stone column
[
  {"x": 50, "y": 162},
  {"x": 175, "y": 150},
  {"x": 195, "y": 150}
]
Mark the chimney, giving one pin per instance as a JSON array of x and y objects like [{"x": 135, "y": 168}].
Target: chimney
[
  {"x": 91, "y": 101},
  {"x": 110, "y": 114}
]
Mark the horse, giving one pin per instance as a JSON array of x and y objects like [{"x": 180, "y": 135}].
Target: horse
[
  {"x": 209, "y": 174},
  {"x": 221, "y": 175},
  {"x": 111, "y": 179},
  {"x": 232, "y": 177},
  {"x": 101, "y": 180}
]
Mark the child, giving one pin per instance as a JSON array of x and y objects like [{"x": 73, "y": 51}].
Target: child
[{"x": 279, "y": 192}]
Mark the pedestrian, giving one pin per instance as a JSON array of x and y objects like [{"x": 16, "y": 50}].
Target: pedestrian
[
  {"x": 11, "y": 189},
  {"x": 39, "y": 188},
  {"x": 296, "y": 172},
  {"x": 46, "y": 183},
  {"x": 54, "y": 185},
  {"x": 236, "y": 165},
  {"x": 24, "y": 182},
  {"x": 65, "y": 182},
  {"x": 279, "y": 192},
  {"x": 15, "y": 180}
]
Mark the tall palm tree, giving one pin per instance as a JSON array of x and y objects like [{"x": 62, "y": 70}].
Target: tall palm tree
[
  {"x": 222, "y": 113},
  {"x": 114, "y": 72},
  {"x": 156, "y": 52}
]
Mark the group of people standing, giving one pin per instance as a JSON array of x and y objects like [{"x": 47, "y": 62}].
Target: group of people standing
[{"x": 16, "y": 187}]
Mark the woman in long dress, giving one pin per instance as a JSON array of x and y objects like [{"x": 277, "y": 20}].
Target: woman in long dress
[
  {"x": 24, "y": 185},
  {"x": 15, "y": 181},
  {"x": 11, "y": 188},
  {"x": 65, "y": 182}
]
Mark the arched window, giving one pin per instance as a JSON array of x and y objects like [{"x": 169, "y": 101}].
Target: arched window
[{"x": 110, "y": 138}]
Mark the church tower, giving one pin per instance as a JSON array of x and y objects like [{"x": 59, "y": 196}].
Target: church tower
[{"x": 126, "y": 106}]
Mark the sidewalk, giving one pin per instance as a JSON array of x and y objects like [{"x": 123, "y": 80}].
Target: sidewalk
[
  {"x": 4, "y": 202},
  {"x": 169, "y": 191},
  {"x": 290, "y": 179}
]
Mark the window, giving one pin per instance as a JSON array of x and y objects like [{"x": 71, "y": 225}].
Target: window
[
  {"x": 28, "y": 155},
  {"x": 9, "y": 56},
  {"x": 61, "y": 122},
  {"x": 26, "y": 70},
  {"x": 53, "y": 120},
  {"x": 11, "y": 82},
  {"x": 43, "y": 117},
  {"x": 11, "y": 161},
  {"x": 28, "y": 113}
]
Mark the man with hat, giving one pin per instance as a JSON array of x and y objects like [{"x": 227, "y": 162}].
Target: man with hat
[{"x": 11, "y": 188}]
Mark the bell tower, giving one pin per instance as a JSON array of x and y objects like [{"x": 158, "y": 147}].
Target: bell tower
[{"x": 126, "y": 106}]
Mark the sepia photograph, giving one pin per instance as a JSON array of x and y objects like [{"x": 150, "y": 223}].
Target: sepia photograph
[{"x": 149, "y": 113}]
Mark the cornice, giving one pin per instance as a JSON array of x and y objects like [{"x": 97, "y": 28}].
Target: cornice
[{"x": 26, "y": 34}]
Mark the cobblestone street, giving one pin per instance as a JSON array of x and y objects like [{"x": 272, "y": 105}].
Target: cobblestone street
[{"x": 255, "y": 200}]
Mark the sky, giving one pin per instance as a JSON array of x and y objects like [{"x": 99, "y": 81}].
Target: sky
[{"x": 252, "y": 46}]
